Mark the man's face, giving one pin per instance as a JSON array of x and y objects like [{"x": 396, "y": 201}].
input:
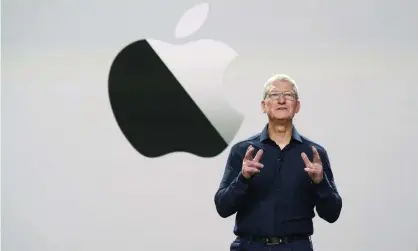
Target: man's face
[{"x": 280, "y": 102}]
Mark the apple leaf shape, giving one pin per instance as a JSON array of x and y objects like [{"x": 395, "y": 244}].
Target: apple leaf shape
[{"x": 192, "y": 20}]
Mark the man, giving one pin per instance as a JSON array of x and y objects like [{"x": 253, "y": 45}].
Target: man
[{"x": 274, "y": 179}]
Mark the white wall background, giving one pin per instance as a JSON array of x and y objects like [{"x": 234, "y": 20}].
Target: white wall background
[{"x": 71, "y": 182}]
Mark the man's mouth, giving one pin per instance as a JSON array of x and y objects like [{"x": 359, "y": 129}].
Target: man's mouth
[{"x": 281, "y": 108}]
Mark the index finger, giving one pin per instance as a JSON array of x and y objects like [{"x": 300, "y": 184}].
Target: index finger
[
  {"x": 249, "y": 152},
  {"x": 306, "y": 159},
  {"x": 316, "y": 157}
]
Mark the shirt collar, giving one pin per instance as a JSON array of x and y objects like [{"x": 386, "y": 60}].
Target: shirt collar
[{"x": 264, "y": 134}]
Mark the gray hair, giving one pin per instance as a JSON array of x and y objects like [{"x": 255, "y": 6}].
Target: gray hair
[{"x": 280, "y": 77}]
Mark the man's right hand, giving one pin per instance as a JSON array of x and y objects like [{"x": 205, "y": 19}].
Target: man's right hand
[{"x": 251, "y": 166}]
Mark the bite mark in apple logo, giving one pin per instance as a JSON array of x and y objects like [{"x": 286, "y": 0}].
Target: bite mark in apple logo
[{"x": 168, "y": 98}]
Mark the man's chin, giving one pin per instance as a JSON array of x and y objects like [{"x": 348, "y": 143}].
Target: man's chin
[
  {"x": 281, "y": 115},
  {"x": 281, "y": 118}
]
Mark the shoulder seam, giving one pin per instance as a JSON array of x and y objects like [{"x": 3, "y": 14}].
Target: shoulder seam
[
  {"x": 312, "y": 142},
  {"x": 248, "y": 139}
]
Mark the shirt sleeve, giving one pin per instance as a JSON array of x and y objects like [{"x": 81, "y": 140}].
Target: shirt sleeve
[
  {"x": 233, "y": 186},
  {"x": 328, "y": 200}
]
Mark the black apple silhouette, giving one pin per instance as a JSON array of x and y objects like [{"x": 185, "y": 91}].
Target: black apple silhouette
[{"x": 161, "y": 111}]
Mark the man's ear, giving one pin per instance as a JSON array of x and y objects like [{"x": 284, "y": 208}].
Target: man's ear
[
  {"x": 262, "y": 104},
  {"x": 297, "y": 106}
]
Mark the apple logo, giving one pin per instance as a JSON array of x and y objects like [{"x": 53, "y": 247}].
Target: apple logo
[{"x": 168, "y": 98}]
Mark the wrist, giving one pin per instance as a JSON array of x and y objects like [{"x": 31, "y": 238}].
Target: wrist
[{"x": 243, "y": 178}]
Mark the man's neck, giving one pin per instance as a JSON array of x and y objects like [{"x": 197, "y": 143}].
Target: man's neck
[{"x": 280, "y": 132}]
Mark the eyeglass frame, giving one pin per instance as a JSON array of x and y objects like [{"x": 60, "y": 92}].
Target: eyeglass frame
[{"x": 290, "y": 95}]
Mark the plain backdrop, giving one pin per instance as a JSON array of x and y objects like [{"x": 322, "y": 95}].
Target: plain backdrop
[{"x": 72, "y": 182}]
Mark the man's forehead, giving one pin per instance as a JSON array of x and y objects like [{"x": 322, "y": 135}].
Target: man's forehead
[{"x": 281, "y": 85}]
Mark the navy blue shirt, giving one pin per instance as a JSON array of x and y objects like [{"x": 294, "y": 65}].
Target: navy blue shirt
[{"x": 280, "y": 199}]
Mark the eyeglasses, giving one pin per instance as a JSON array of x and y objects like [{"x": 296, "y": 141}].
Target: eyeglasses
[{"x": 286, "y": 95}]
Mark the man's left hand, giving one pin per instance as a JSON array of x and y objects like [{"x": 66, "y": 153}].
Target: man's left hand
[{"x": 314, "y": 168}]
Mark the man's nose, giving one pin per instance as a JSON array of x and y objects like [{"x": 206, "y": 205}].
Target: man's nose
[{"x": 281, "y": 99}]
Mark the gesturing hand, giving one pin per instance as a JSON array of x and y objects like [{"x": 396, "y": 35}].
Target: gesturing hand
[
  {"x": 251, "y": 166},
  {"x": 314, "y": 168}
]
